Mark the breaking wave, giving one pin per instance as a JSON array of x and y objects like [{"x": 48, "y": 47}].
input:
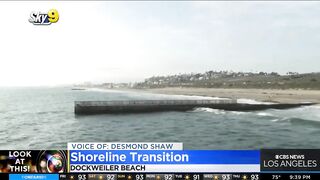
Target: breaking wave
[
  {"x": 252, "y": 101},
  {"x": 203, "y": 109}
]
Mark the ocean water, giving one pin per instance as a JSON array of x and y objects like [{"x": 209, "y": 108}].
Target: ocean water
[{"x": 43, "y": 118}]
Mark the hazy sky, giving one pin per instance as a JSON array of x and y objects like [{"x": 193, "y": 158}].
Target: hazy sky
[{"x": 129, "y": 41}]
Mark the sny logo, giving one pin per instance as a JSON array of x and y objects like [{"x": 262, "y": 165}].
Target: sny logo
[{"x": 38, "y": 18}]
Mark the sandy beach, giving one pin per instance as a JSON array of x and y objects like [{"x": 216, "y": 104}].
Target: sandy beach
[{"x": 265, "y": 95}]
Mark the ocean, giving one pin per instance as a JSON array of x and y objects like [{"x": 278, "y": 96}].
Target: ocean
[{"x": 43, "y": 118}]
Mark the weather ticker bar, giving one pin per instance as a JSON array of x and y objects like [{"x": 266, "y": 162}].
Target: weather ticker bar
[{"x": 163, "y": 176}]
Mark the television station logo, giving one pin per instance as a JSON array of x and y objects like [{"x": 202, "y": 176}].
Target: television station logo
[{"x": 39, "y": 18}]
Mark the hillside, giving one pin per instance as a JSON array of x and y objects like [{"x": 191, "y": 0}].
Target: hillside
[{"x": 224, "y": 79}]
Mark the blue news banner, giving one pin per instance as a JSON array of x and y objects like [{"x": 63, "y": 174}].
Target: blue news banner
[{"x": 164, "y": 161}]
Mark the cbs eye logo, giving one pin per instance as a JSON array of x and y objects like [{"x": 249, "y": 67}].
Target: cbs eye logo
[{"x": 38, "y": 18}]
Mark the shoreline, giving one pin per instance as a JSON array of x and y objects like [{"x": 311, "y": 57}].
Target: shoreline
[{"x": 263, "y": 95}]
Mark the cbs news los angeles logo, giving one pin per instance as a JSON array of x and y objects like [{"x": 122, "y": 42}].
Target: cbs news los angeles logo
[{"x": 38, "y": 18}]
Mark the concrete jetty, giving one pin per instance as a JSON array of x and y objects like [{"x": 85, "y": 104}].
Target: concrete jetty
[{"x": 142, "y": 106}]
